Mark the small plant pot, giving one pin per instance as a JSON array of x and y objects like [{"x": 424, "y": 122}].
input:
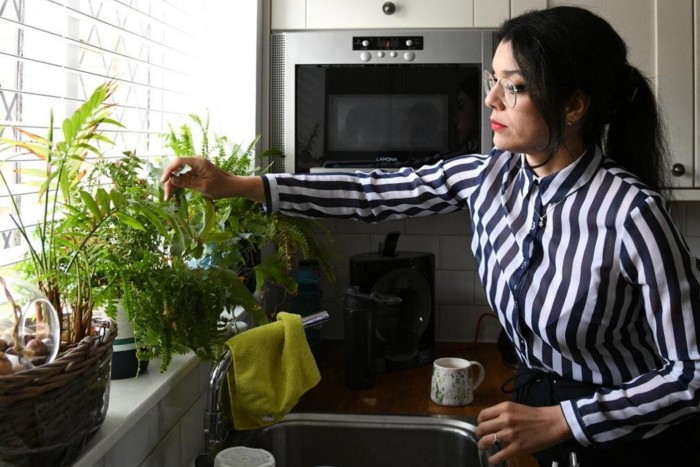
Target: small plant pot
[{"x": 125, "y": 362}]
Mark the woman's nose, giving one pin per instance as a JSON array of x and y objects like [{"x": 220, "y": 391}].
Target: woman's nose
[{"x": 492, "y": 99}]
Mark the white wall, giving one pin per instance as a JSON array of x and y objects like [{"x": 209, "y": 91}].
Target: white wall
[{"x": 229, "y": 46}]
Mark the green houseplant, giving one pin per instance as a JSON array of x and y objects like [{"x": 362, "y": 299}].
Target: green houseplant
[
  {"x": 51, "y": 410},
  {"x": 214, "y": 261},
  {"x": 105, "y": 235}
]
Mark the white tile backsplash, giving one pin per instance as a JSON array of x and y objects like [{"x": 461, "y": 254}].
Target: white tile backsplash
[
  {"x": 137, "y": 444},
  {"x": 168, "y": 451},
  {"x": 691, "y": 218},
  {"x": 176, "y": 403},
  {"x": 191, "y": 429},
  {"x": 454, "y": 287},
  {"x": 155, "y": 420},
  {"x": 455, "y": 253}
]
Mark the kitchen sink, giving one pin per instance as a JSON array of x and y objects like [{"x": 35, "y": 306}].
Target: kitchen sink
[{"x": 355, "y": 440}]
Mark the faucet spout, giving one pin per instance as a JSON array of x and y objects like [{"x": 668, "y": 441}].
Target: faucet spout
[{"x": 214, "y": 430}]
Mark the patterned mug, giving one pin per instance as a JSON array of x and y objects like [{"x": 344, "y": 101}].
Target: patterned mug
[{"x": 453, "y": 382}]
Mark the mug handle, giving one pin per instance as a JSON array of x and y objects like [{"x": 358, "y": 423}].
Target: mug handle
[{"x": 480, "y": 376}]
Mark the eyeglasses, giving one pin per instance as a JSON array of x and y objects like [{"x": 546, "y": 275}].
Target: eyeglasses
[{"x": 508, "y": 91}]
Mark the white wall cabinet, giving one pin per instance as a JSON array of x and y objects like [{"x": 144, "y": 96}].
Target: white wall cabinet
[
  {"x": 490, "y": 13},
  {"x": 369, "y": 14},
  {"x": 287, "y": 15}
]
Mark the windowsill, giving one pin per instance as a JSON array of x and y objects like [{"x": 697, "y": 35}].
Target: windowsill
[{"x": 130, "y": 399}]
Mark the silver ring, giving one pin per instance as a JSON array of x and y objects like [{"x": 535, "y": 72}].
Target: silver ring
[{"x": 495, "y": 438}]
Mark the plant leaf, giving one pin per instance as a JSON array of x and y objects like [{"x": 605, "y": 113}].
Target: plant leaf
[
  {"x": 130, "y": 221},
  {"x": 90, "y": 203},
  {"x": 103, "y": 199}
]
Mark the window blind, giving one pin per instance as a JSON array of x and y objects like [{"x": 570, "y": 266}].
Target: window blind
[{"x": 54, "y": 53}]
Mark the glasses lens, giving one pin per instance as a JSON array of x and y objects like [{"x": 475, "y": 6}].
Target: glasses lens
[
  {"x": 509, "y": 92},
  {"x": 489, "y": 81}
]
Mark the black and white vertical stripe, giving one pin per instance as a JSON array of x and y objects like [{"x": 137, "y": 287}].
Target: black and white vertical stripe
[{"x": 586, "y": 270}]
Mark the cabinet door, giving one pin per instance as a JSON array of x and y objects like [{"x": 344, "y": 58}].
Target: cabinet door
[
  {"x": 286, "y": 15},
  {"x": 674, "y": 79},
  {"x": 659, "y": 36},
  {"x": 366, "y": 14},
  {"x": 490, "y": 13},
  {"x": 518, "y": 7}
]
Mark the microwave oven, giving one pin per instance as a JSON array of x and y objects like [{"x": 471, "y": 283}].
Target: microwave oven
[{"x": 365, "y": 99}]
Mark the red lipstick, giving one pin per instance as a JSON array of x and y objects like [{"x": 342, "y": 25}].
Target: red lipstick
[{"x": 496, "y": 125}]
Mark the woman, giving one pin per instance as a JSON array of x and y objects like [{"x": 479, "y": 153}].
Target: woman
[{"x": 591, "y": 281}]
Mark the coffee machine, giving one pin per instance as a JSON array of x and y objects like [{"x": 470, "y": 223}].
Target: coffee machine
[{"x": 403, "y": 329}]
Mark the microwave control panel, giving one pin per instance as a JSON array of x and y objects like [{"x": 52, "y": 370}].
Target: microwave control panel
[{"x": 387, "y": 43}]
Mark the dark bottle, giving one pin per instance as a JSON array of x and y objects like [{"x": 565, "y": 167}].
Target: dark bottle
[
  {"x": 358, "y": 320},
  {"x": 359, "y": 315}
]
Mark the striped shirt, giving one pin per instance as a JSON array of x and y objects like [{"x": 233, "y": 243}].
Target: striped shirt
[{"x": 588, "y": 274}]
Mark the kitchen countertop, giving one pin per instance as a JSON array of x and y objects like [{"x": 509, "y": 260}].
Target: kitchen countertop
[{"x": 407, "y": 392}]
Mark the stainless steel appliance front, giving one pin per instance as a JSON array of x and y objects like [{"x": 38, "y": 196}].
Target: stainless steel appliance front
[{"x": 367, "y": 99}]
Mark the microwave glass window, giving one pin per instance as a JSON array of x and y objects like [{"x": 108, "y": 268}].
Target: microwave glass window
[
  {"x": 392, "y": 122},
  {"x": 385, "y": 116}
]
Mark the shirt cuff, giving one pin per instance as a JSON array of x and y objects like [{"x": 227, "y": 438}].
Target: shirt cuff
[
  {"x": 573, "y": 419},
  {"x": 272, "y": 194}
]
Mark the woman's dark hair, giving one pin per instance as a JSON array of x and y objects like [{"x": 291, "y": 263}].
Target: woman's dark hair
[{"x": 564, "y": 49}]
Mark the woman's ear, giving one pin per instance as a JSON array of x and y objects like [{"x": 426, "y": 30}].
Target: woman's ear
[{"x": 576, "y": 108}]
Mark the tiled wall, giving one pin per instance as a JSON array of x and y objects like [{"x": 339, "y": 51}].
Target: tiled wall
[
  {"x": 169, "y": 433},
  {"x": 459, "y": 297}
]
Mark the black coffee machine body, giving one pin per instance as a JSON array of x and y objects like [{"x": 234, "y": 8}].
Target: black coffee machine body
[{"x": 404, "y": 329}]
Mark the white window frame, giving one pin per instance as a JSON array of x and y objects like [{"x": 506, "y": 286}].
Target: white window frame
[{"x": 53, "y": 53}]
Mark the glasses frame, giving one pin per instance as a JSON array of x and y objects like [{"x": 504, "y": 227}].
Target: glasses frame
[{"x": 508, "y": 90}]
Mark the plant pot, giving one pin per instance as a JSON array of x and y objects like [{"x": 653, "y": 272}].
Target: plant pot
[
  {"x": 125, "y": 362},
  {"x": 50, "y": 412}
]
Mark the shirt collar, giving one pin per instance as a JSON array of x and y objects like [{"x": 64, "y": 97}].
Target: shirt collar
[{"x": 557, "y": 186}]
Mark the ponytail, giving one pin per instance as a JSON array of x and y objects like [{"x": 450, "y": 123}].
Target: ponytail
[{"x": 635, "y": 138}]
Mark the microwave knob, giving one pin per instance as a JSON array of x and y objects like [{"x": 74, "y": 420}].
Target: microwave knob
[
  {"x": 409, "y": 56},
  {"x": 393, "y": 54},
  {"x": 365, "y": 43},
  {"x": 380, "y": 54},
  {"x": 409, "y": 43},
  {"x": 365, "y": 56}
]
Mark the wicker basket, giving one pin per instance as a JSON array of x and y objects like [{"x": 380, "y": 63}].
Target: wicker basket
[{"x": 50, "y": 412}]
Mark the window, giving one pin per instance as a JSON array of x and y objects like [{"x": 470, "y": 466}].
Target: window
[{"x": 53, "y": 53}]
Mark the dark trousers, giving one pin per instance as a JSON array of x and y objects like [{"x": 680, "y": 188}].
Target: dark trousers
[{"x": 678, "y": 446}]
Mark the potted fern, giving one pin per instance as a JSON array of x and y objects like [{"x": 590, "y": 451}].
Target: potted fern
[{"x": 176, "y": 289}]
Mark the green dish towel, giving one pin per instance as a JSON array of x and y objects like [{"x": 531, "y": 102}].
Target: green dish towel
[{"x": 272, "y": 367}]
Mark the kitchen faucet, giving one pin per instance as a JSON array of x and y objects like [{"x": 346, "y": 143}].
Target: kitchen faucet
[{"x": 215, "y": 431}]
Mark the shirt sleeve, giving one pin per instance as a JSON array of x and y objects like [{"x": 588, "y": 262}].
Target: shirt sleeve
[
  {"x": 378, "y": 195},
  {"x": 665, "y": 279}
]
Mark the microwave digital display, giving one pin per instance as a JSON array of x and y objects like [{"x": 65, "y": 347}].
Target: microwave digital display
[{"x": 387, "y": 43}]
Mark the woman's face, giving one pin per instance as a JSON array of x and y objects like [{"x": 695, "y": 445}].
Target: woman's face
[{"x": 521, "y": 128}]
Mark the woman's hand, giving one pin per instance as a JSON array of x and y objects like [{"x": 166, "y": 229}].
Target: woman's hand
[
  {"x": 520, "y": 429},
  {"x": 205, "y": 177}
]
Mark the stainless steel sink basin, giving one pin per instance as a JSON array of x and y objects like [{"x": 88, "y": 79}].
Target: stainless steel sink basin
[{"x": 350, "y": 440}]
